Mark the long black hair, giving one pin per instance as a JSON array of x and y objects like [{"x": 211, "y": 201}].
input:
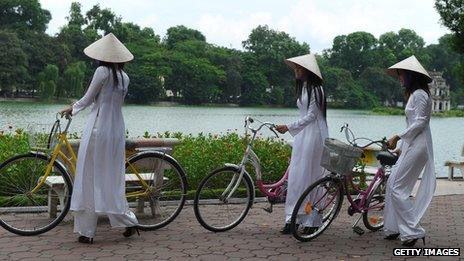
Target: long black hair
[
  {"x": 312, "y": 83},
  {"x": 414, "y": 81},
  {"x": 114, "y": 67}
]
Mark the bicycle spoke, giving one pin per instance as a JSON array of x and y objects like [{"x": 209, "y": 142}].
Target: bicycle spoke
[
  {"x": 24, "y": 212},
  {"x": 217, "y": 206},
  {"x": 161, "y": 201},
  {"x": 373, "y": 213},
  {"x": 325, "y": 199}
]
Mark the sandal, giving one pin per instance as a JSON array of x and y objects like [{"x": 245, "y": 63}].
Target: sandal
[
  {"x": 85, "y": 240},
  {"x": 130, "y": 231}
]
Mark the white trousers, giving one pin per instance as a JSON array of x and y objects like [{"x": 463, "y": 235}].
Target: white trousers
[
  {"x": 85, "y": 222},
  {"x": 399, "y": 214},
  {"x": 312, "y": 220}
]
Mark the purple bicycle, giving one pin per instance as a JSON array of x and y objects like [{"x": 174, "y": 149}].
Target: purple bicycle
[{"x": 324, "y": 198}]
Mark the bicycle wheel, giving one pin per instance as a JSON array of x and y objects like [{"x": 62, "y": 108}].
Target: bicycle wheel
[
  {"x": 215, "y": 208},
  {"x": 161, "y": 196},
  {"x": 375, "y": 203},
  {"x": 322, "y": 200},
  {"x": 23, "y": 212}
]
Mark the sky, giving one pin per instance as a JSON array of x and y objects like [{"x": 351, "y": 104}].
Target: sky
[{"x": 229, "y": 22}]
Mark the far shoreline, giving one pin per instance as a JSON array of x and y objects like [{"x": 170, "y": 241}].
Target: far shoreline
[
  {"x": 381, "y": 111},
  {"x": 397, "y": 111}
]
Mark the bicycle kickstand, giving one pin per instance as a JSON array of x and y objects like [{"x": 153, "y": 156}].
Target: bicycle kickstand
[
  {"x": 357, "y": 229},
  {"x": 268, "y": 209}
]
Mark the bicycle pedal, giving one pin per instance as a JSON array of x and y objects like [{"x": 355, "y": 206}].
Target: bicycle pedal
[{"x": 358, "y": 230}]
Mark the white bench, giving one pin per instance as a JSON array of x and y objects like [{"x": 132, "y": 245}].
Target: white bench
[
  {"x": 452, "y": 165},
  {"x": 57, "y": 188},
  {"x": 56, "y": 183}
]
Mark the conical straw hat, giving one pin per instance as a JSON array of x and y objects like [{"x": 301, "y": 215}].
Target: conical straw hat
[
  {"x": 308, "y": 61},
  {"x": 109, "y": 49},
  {"x": 411, "y": 64}
]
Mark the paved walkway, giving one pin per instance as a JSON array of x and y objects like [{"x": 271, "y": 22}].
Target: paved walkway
[
  {"x": 446, "y": 187},
  {"x": 257, "y": 238}
]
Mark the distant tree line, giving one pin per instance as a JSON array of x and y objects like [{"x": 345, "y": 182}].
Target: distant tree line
[{"x": 194, "y": 71}]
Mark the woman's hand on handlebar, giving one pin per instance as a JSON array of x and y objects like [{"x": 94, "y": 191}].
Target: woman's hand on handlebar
[
  {"x": 281, "y": 128},
  {"x": 397, "y": 152},
  {"x": 66, "y": 111},
  {"x": 392, "y": 142}
]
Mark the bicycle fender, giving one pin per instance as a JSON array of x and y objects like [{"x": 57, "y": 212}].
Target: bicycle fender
[{"x": 160, "y": 153}]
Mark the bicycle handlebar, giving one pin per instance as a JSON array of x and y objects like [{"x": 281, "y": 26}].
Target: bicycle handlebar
[
  {"x": 348, "y": 133},
  {"x": 67, "y": 116},
  {"x": 269, "y": 125}
]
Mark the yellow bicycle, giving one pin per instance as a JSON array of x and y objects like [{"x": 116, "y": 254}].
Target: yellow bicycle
[{"x": 36, "y": 187}]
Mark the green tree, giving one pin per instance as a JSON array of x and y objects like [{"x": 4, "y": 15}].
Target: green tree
[
  {"x": 146, "y": 78},
  {"x": 254, "y": 82},
  {"x": 410, "y": 43},
  {"x": 132, "y": 33},
  {"x": 230, "y": 62},
  {"x": 42, "y": 49},
  {"x": 147, "y": 70},
  {"x": 196, "y": 79},
  {"x": 353, "y": 52},
  {"x": 394, "y": 47},
  {"x": 192, "y": 48},
  {"x": 47, "y": 82},
  {"x": 180, "y": 34},
  {"x": 72, "y": 81},
  {"x": 72, "y": 34},
  {"x": 270, "y": 48},
  {"x": 385, "y": 88},
  {"x": 254, "y": 86},
  {"x": 343, "y": 91},
  {"x": 232, "y": 84},
  {"x": 75, "y": 15},
  {"x": 276, "y": 96},
  {"x": 452, "y": 16},
  {"x": 13, "y": 63},
  {"x": 23, "y": 15},
  {"x": 446, "y": 59},
  {"x": 104, "y": 20}
]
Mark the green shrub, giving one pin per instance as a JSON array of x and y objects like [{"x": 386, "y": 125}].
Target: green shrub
[
  {"x": 450, "y": 113},
  {"x": 400, "y": 111},
  {"x": 12, "y": 144},
  {"x": 201, "y": 154},
  {"x": 388, "y": 111},
  {"x": 198, "y": 155}
]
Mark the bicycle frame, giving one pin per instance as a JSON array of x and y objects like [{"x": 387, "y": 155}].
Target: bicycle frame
[
  {"x": 57, "y": 152},
  {"x": 58, "y": 155},
  {"x": 362, "y": 194},
  {"x": 270, "y": 190}
]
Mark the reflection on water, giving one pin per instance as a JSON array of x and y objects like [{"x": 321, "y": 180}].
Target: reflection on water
[{"x": 447, "y": 133}]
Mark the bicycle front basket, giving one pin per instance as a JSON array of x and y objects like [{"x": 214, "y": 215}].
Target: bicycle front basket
[{"x": 339, "y": 157}]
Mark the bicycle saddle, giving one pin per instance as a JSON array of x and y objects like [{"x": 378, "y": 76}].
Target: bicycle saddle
[{"x": 386, "y": 158}]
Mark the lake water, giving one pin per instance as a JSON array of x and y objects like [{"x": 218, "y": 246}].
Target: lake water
[{"x": 448, "y": 133}]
